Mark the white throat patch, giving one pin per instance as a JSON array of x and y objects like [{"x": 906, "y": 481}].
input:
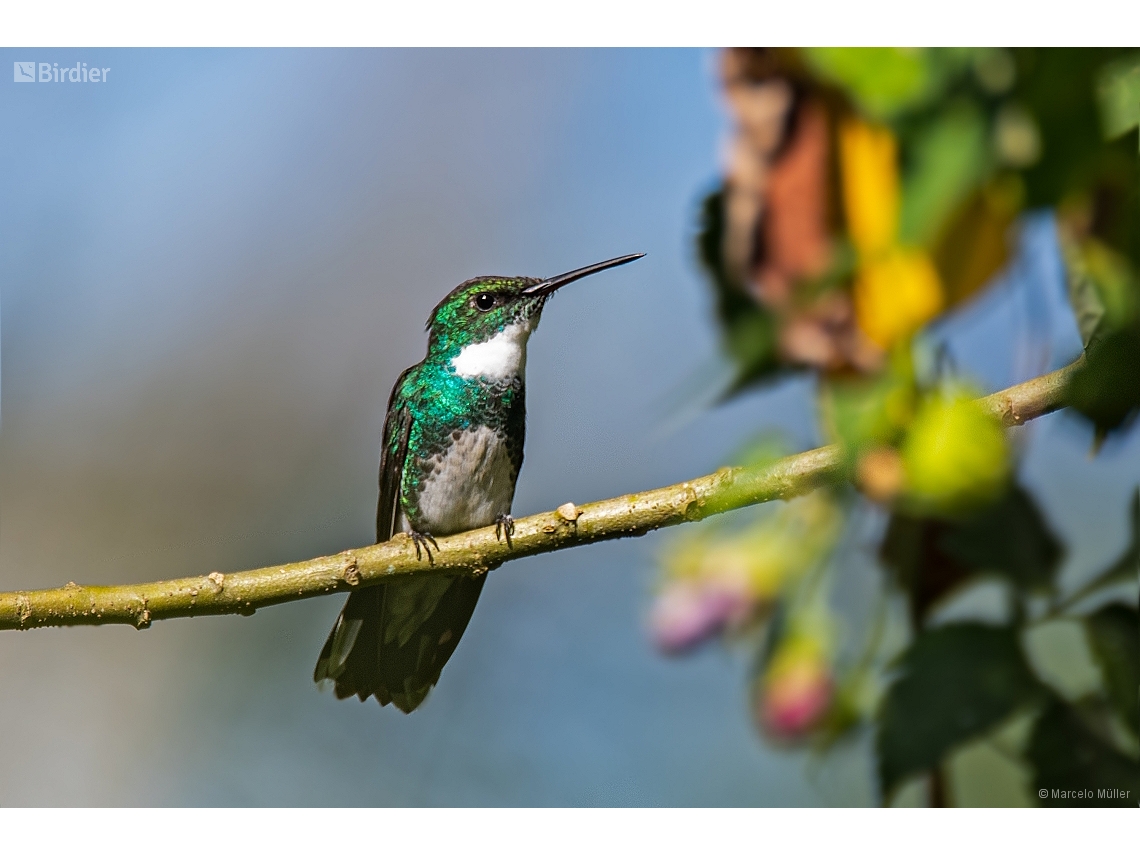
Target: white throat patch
[{"x": 498, "y": 358}]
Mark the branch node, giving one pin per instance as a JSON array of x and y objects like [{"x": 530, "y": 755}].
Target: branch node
[
  {"x": 351, "y": 572},
  {"x": 569, "y": 512}
]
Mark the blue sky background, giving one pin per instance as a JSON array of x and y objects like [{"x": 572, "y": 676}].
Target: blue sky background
[{"x": 214, "y": 266}]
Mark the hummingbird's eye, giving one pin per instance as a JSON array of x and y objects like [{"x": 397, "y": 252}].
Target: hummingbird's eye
[{"x": 484, "y": 302}]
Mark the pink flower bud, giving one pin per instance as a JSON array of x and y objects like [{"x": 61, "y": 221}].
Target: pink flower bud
[
  {"x": 796, "y": 691},
  {"x": 688, "y": 612}
]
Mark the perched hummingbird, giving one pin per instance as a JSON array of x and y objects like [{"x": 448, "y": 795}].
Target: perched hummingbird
[{"x": 450, "y": 456}]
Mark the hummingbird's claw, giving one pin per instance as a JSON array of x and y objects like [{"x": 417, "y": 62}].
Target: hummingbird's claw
[
  {"x": 505, "y": 525},
  {"x": 423, "y": 538}
]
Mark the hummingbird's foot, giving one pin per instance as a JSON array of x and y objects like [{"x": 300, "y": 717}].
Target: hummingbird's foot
[
  {"x": 422, "y": 538},
  {"x": 505, "y": 525}
]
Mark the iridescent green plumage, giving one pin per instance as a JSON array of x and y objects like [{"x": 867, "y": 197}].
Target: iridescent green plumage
[{"x": 441, "y": 405}]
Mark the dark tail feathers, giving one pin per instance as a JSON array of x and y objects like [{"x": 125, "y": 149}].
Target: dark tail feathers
[{"x": 392, "y": 640}]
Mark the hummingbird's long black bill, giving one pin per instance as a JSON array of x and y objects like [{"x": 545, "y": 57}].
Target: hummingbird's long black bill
[{"x": 547, "y": 286}]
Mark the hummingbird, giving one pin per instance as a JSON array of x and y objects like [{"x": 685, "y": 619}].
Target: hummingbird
[{"x": 451, "y": 451}]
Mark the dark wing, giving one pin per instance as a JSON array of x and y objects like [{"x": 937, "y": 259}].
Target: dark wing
[
  {"x": 357, "y": 630},
  {"x": 397, "y": 431},
  {"x": 392, "y": 640}
]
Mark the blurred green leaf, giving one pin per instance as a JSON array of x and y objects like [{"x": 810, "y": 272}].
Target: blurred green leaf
[
  {"x": 912, "y": 551},
  {"x": 974, "y": 245},
  {"x": 1105, "y": 389},
  {"x": 994, "y": 69},
  {"x": 1114, "y": 632},
  {"x": 1058, "y": 88},
  {"x": 929, "y": 557},
  {"x": 1011, "y": 539},
  {"x": 1118, "y": 94},
  {"x": 1067, "y": 757},
  {"x": 867, "y": 412},
  {"x": 1102, "y": 289},
  {"x": 710, "y": 245},
  {"x": 948, "y": 158},
  {"x": 888, "y": 81},
  {"x": 1085, "y": 298},
  {"x": 955, "y": 683},
  {"x": 749, "y": 330},
  {"x": 1057, "y": 85},
  {"x": 881, "y": 80}
]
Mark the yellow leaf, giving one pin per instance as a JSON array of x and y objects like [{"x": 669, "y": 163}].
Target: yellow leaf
[
  {"x": 895, "y": 294},
  {"x": 869, "y": 160}
]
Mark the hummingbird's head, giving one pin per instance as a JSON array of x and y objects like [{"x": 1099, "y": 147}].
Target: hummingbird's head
[{"x": 482, "y": 326}]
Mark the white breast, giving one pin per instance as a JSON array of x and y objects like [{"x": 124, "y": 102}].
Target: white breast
[
  {"x": 498, "y": 358},
  {"x": 471, "y": 486}
]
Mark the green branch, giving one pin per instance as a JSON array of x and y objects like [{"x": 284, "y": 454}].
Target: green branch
[{"x": 476, "y": 551}]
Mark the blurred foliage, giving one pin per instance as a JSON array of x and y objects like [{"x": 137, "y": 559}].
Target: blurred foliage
[
  {"x": 954, "y": 682},
  {"x": 929, "y": 557},
  {"x": 1114, "y": 632},
  {"x": 867, "y": 193},
  {"x": 1068, "y": 756},
  {"x": 749, "y": 330},
  {"x": 1106, "y": 389},
  {"x": 1118, "y": 91}
]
